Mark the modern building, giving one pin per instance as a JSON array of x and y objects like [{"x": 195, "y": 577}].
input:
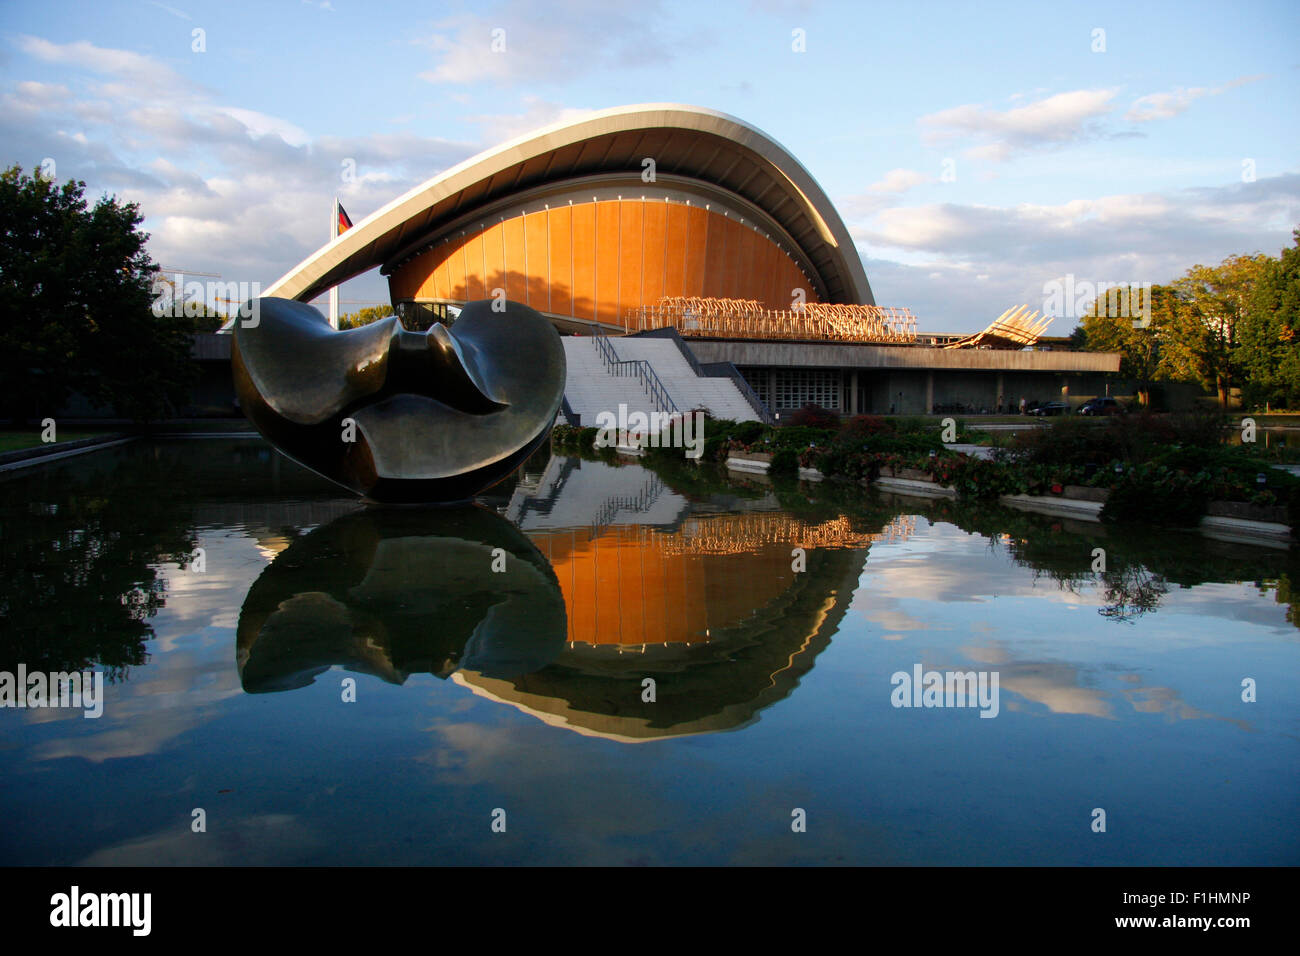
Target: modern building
[{"x": 687, "y": 223}]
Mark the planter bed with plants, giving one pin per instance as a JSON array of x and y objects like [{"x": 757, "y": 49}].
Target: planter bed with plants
[{"x": 1158, "y": 471}]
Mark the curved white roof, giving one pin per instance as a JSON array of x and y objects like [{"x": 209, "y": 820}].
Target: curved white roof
[{"x": 685, "y": 141}]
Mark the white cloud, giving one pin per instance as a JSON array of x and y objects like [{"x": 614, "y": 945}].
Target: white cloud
[
  {"x": 141, "y": 71},
  {"x": 993, "y": 152},
  {"x": 899, "y": 181},
  {"x": 1158, "y": 106},
  {"x": 929, "y": 257},
  {"x": 179, "y": 14},
  {"x": 1055, "y": 121},
  {"x": 1058, "y": 119},
  {"x": 497, "y": 128},
  {"x": 259, "y": 124},
  {"x": 224, "y": 188},
  {"x": 547, "y": 42}
]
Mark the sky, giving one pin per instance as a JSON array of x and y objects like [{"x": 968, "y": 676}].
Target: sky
[{"x": 976, "y": 152}]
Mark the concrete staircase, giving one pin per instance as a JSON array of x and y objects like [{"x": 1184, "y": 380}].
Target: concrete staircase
[{"x": 592, "y": 388}]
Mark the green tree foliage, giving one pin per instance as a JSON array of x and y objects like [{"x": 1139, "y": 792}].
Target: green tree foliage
[
  {"x": 1208, "y": 327},
  {"x": 1268, "y": 340},
  {"x": 75, "y": 306},
  {"x": 1141, "y": 326},
  {"x": 354, "y": 320},
  {"x": 1215, "y": 302}
]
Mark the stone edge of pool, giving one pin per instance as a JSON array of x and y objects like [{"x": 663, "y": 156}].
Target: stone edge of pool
[{"x": 1223, "y": 528}]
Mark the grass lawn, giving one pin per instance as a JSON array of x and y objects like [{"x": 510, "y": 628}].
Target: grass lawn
[{"x": 15, "y": 440}]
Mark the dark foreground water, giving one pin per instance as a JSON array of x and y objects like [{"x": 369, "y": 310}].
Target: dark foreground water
[{"x": 500, "y": 662}]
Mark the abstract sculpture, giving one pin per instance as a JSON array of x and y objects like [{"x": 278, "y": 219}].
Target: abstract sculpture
[
  {"x": 402, "y": 416},
  {"x": 395, "y": 591}
]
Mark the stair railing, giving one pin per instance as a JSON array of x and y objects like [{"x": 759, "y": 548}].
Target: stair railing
[{"x": 643, "y": 370}]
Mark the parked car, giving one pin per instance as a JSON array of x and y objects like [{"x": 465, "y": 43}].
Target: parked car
[
  {"x": 1102, "y": 406},
  {"x": 1050, "y": 408}
]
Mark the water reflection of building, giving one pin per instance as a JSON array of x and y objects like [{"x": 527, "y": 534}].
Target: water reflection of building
[{"x": 704, "y": 600}]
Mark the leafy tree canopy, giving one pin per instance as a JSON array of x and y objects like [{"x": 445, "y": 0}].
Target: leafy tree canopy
[{"x": 75, "y": 306}]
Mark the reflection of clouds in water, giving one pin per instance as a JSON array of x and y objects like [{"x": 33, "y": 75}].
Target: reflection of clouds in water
[
  {"x": 1231, "y": 602},
  {"x": 175, "y": 694},
  {"x": 1056, "y": 687},
  {"x": 1059, "y": 687},
  {"x": 190, "y": 670},
  {"x": 554, "y": 792},
  {"x": 469, "y": 754},
  {"x": 943, "y": 565},
  {"x": 1167, "y": 701},
  {"x": 197, "y": 599},
  {"x": 1054, "y": 684},
  {"x": 261, "y": 840},
  {"x": 886, "y": 613}
]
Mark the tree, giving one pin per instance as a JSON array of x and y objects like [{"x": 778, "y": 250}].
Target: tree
[
  {"x": 1268, "y": 340},
  {"x": 1139, "y": 325},
  {"x": 75, "y": 306},
  {"x": 1217, "y": 299},
  {"x": 354, "y": 320}
]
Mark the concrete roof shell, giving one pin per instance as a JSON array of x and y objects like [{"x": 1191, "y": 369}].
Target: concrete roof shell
[{"x": 684, "y": 141}]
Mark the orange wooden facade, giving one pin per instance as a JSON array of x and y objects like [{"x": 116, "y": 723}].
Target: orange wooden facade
[
  {"x": 598, "y": 260},
  {"x": 629, "y": 586}
]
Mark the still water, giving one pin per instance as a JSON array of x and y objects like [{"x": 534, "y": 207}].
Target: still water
[{"x": 335, "y": 684}]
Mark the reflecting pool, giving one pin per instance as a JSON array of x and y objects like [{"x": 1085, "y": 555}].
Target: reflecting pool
[{"x": 605, "y": 664}]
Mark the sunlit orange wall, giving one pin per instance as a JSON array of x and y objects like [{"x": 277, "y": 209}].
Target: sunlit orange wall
[
  {"x": 626, "y": 586},
  {"x": 597, "y": 260}
]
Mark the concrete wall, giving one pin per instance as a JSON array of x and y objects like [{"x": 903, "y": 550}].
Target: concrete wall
[
  {"x": 913, "y": 380},
  {"x": 848, "y": 356}
]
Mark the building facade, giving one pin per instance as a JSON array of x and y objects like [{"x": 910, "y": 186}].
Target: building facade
[{"x": 594, "y": 222}]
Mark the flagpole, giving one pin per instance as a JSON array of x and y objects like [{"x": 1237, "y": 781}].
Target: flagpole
[{"x": 334, "y": 290}]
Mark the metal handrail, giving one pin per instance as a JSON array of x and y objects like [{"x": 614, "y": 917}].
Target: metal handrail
[
  {"x": 643, "y": 370},
  {"x": 640, "y": 503},
  {"x": 713, "y": 370},
  {"x": 730, "y": 371}
]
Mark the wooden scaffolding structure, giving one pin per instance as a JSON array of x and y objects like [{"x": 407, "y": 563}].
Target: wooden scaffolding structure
[
  {"x": 1016, "y": 328},
  {"x": 748, "y": 319}
]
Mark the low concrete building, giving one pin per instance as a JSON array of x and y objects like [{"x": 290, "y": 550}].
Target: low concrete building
[{"x": 908, "y": 380}]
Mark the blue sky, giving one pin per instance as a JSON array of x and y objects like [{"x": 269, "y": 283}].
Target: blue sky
[{"x": 976, "y": 151}]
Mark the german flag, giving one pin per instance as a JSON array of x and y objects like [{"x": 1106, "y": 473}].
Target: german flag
[{"x": 344, "y": 222}]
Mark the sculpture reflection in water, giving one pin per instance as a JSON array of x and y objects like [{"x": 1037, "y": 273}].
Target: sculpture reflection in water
[
  {"x": 391, "y": 592},
  {"x": 614, "y": 578}
]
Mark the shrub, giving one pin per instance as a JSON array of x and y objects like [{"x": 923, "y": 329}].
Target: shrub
[
  {"x": 800, "y": 436},
  {"x": 1200, "y": 428},
  {"x": 785, "y": 463},
  {"x": 814, "y": 416},
  {"x": 973, "y": 477},
  {"x": 1070, "y": 441},
  {"x": 1154, "y": 494},
  {"x": 576, "y": 439},
  {"x": 747, "y": 432},
  {"x": 864, "y": 426}
]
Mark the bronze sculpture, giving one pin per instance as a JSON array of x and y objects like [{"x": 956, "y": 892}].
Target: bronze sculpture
[{"x": 401, "y": 416}]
